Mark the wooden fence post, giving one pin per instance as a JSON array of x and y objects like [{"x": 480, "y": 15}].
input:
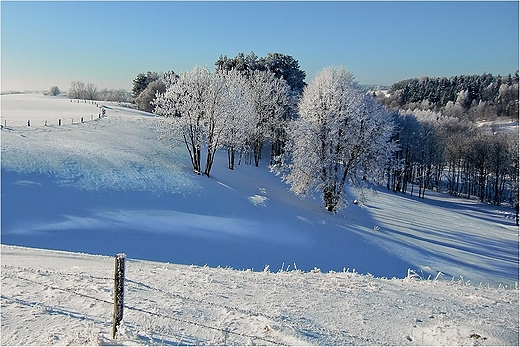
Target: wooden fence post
[{"x": 119, "y": 291}]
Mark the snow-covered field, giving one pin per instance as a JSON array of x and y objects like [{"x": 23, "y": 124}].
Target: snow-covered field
[
  {"x": 108, "y": 185},
  {"x": 51, "y": 297},
  {"x": 19, "y": 109}
]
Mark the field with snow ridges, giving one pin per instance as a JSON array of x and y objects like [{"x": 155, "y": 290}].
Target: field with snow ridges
[{"x": 108, "y": 185}]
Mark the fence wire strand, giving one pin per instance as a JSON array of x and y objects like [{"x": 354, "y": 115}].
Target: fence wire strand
[
  {"x": 284, "y": 321},
  {"x": 136, "y": 309}
]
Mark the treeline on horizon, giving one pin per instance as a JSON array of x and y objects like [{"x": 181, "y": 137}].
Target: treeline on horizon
[
  {"x": 444, "y": 143},
  {"x": 483, "y": 97},
  {"x": 471, "y": 97},
  {"x": 441, "y": 144}
]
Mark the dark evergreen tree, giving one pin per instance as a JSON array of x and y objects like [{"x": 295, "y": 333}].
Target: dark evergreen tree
[
  {"x": 244, "y": 64},
  {"x": 282, "y": 65},
  {"x": 480, "y": 96},
  {"x": 145, "y": 99},
  {"x": 142, "y": 81},
  {"x": 286, "y": 67}
]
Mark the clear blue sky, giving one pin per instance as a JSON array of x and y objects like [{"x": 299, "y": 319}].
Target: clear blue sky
[{"x": 109, "y": 43}]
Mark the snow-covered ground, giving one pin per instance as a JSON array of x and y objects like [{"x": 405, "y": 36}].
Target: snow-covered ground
[
  {"x": 108, "y": 186},
  {"x": 51, "y": 297},
  {"x": 19, "y": 109}
]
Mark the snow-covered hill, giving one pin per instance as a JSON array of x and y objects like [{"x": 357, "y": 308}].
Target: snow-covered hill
[
  {"x": 59, "y": 298},
  {"x": 108, "y": 185}
]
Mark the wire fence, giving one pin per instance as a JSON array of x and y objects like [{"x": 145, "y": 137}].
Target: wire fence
[
  {"x": 49, "y": 308},
  {"x": 44, "y": 121},
  {"x": 106, "y": 322},
  {"x": 173, "y": 336}
]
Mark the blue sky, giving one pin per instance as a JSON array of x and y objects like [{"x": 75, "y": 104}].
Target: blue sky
[{"x": 109, "y": 43}]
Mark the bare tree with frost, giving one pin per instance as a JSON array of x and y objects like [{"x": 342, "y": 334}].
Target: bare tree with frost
[
  {"x": 271, "y": 97},
  {"x": 210, "y": 110},
  {"x": 238, "y": 114},
  {"x": 227, "y": 113},
  {"x": 342, "y": 136},
  {"x": 184, "y": 111}
]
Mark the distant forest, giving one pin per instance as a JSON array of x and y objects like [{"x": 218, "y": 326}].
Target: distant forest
[
  {"x": 456, "y": 135},
  {"x": 473, "y": 97}
]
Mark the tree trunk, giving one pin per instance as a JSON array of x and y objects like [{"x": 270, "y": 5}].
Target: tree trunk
[
  {"x": 209, "y": 161},
  {"x": 257, "y": 151},
  {"x": 231, "y": 157}
]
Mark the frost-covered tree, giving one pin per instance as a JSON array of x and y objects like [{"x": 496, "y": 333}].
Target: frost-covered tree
[
  {"x": 342, "y": 136},
  {"x": 54, "y": 91},
  {"x": 237, "y": 113},
  {"x": 271, "y": 99},
  {"x": 259, "y": 71},
  {"x": 80, "y": 90},
  {"x": 204, "y": 109},
  {"x": 183, "y": 107},
  {"x": 90, "y": 91},
  {"x": 77, "y": 90},
  {"x": 215, "y": 105}
]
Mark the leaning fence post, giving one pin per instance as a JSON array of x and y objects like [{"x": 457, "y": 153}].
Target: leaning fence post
[{"x": 119, "y": 291}]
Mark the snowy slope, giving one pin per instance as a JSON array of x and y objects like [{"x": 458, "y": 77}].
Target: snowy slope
[
  {"x": 59, "y": 298},
  {"x": 108, "y": 186}
]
